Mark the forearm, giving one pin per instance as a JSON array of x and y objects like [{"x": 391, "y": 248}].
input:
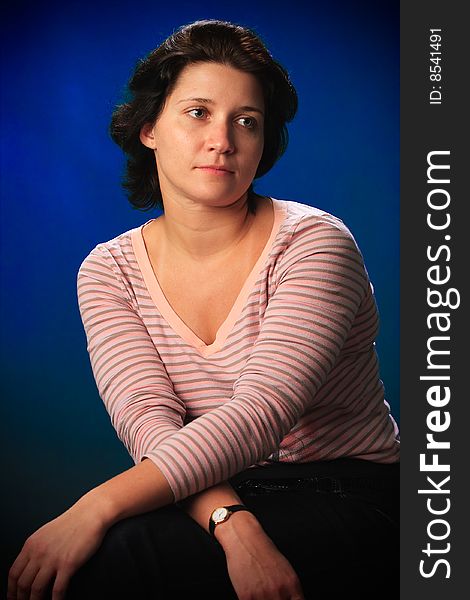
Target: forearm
[
  {"x": 255, "y": 565},
  {"x": 140, "y": 489}
]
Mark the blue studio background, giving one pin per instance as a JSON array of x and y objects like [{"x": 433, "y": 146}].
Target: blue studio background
[{"x": 65, "y": 67}]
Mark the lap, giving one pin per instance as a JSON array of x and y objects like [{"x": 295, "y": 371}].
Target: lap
[
  {"x": 333, "y": 539},
  {"x": 153, "y": 555}
]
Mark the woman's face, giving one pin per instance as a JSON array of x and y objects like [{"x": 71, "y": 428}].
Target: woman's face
[{"x": 209, "y": 137}]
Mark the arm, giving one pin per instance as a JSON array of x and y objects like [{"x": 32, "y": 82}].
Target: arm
[
  {"x": 321, "y": 285},
  {"x": 106, "y": 309},
  {"x": 144, "y": 410},
  {"x": 60, "y": 547},
  {"x": 255, "y": 566},
  {"x": 129, "y": 374}
]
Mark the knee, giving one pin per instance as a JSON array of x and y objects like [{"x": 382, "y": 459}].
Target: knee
[
  {"x": 113, "y": 571},
  {"x": 122, "y": 533},
  {"x": 124, "y": 542}
]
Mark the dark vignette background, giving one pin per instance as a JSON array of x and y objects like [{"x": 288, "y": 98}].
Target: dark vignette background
[{"x": 64, "y": 68}]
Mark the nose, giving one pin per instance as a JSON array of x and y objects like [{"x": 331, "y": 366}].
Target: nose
[{"x": 220, "y": 138}]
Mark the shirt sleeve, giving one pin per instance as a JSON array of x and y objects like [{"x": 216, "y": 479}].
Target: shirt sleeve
[
  {"x": 322, "y": 282},
  {"x": 130, "y": 376}
]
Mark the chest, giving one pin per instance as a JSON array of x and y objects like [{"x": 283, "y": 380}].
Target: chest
[
  {"x": 204, "y": 296},
  {"x": 203, "y": 299}
]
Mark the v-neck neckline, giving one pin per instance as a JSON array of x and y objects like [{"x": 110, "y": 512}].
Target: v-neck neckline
[{"x": 172, "y": 317}]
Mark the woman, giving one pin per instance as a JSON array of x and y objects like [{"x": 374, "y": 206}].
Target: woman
[{"x": 232, "y": 342}]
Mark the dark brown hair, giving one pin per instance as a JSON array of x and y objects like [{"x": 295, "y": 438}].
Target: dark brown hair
[{"x": 156, "y": 75}]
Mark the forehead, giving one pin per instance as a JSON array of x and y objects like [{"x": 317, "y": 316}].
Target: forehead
[{"x": 216, "y": 81}]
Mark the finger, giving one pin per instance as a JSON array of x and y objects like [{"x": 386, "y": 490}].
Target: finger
[
  {"x": 26, "y": 579},
  {"x": 295, "y": 592},
  {"x": 298, "y": 594},
  {"x": 15, "y": 572},
  {"x": 61, "y": 584},
  {"x": 40, "y": 583}
]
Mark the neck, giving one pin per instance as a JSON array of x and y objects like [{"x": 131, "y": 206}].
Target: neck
[{"x": 204, "y": 233}]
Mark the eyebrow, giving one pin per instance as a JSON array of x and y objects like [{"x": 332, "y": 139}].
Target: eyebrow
[{"x": 209, "y": 101}]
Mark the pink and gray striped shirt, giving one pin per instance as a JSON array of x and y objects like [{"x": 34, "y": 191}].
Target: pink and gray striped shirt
[{"x": 292, "y": 375}]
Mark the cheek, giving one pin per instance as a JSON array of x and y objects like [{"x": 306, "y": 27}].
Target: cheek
[
  {"x": 169, "y": 136},
  {"x": 182, "y": 144},
  {"x": 173, "y": 148}
]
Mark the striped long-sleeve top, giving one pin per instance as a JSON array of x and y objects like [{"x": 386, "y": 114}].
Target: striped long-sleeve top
[{"x": 292, "y": 375}]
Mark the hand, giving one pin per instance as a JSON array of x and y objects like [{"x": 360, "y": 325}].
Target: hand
[
  {"x": 257, "y": 570},
  {"x": 55, "y": 551}
]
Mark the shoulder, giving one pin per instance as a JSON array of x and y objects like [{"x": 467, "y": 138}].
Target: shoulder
[
  {"x": 317, "y": 242},
  {"x": 111, "y": 263},
  {"x": 308, "y": 227},
  {"x": 115, "y": 253}
]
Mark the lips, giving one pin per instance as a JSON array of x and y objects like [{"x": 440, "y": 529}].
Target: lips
[{"x": 215, "y": 169}]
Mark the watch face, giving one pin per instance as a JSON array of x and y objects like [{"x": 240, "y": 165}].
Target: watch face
[{"x": 219, "y": 514}]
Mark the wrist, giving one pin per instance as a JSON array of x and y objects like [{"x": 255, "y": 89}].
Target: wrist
[
  {"x": 140, "y": 489},
  {"x": 241, "y": 526},
  {"x": 99, "y": 506}
]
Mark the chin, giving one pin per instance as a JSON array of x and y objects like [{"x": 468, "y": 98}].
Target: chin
[{"x": 219, "y": 198}]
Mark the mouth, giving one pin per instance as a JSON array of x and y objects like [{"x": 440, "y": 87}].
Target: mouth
[{"x": 215, "y": 169}]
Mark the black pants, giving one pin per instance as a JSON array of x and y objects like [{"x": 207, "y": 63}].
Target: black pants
[{"x": 336, "y": 522}]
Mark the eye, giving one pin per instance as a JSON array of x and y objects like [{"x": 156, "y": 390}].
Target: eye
[
  {"x": 197, "y": 113},
  {"x": 248, "y": 122}
]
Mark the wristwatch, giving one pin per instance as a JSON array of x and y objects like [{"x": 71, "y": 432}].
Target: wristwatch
[{"x": 223, "y": 513}]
